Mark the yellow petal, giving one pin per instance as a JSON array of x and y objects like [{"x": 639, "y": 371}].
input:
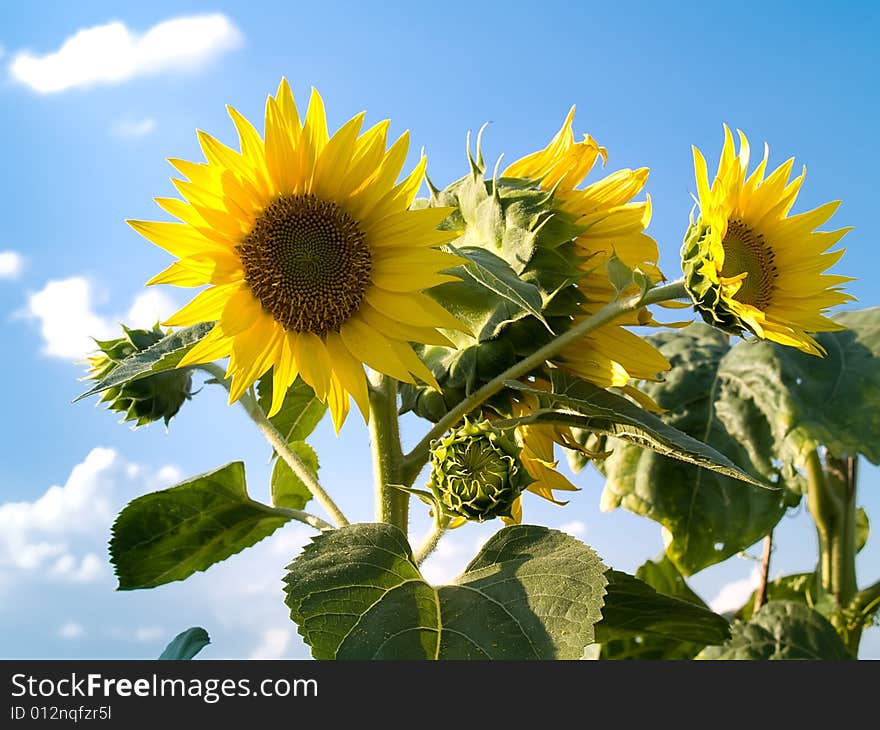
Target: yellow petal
[
  {"x": 373, "y": 349},
  {"x": 313, "y": 361},
  {"x": 207, "y": 306},
  {"x": 349, "y": 371},
  {"x": 284, "y": 372}
]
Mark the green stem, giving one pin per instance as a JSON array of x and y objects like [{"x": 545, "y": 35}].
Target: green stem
[
  {"x": 831, "y": 499},
  {"x": 392, "y": 505},
  {"x": 821, "y": 505},
  {"x": 281, "y": 447},
  {"x": 304, "y": 517},
  {"x": 429, "y": 543},
  {"x": 840, "y": 475},
  {"x": 866, "y": 601},
  {"x": 417, "y": 458}
]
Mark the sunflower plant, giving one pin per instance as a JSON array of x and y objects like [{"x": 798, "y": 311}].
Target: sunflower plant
[{"x": 509, "y": 312}]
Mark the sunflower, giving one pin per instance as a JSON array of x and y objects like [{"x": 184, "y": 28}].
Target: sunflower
[
  {"x": 614, "y": 225},
  {"x": 314, "y": 263},
  {"x": 749, "y": 266}
]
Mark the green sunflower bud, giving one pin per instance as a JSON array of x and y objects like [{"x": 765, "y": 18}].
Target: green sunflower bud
[
  {"x": 516, "y": 236},
  {"x": 147, "y": 399},
  {"x": 476, "y": 472},
  {"x": 704, "y": 289}
]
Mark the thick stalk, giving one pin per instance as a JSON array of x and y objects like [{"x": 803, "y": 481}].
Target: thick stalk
[
  {"x": 840, "y": 475},
  {"x": 281, "y": 447},
  {"x": 416, "y": 459},
  {"x": 392, "y": 505},
  {"x": 824, "y": 511}
]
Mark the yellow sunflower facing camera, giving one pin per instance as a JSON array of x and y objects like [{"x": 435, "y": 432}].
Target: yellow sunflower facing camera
[
  {"x": 749, "y": 265},
  {"x": 314, "y": 263}
]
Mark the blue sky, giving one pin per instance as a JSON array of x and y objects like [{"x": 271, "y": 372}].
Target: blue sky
[{"x": 649, "y": 80}]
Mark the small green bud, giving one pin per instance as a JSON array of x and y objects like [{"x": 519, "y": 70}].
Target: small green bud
[
  {"x": 147, "y": 399},
  {"x": 476, "y": 472}
]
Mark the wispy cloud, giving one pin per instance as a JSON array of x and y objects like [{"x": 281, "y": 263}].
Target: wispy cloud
[
  {"x": 54, "y": 534},
  {"x": 112, "y": 53},
  {"x": 65, "y": 309},
  {"x": 11, "y": 264},
  {"x": 733, "y": 595},
  {"x": 133, "y": 128},
  {"x": 274, "y": 644},
  {"x": 71, "y": 630},
  {"x": 239, "y": 601}
]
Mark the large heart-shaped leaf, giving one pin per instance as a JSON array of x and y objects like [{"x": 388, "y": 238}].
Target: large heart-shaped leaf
[
  {"x": 531, "y": 593},
  {"x": 634, "y": 608},
  {"x": 781, "y": 630},
  {"x": 671, "y": 623},
  {"x": 164, "y": 355},
  {"x": 709, "y": 515},
  {"x": 169, "y": 535},
  {"x": 833, "y": 401}
]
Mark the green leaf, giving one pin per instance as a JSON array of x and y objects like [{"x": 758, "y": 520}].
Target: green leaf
[
  {"x": 833, "y": 401},
  {"x": 863, "y": 529},
  {"x": 186, "y": 644},
  {"x": 494, "y": 273},
  {"x": 531, "y": 593},
  {"x": 781, "y": 630},
  {"x": 709, "y": 515},
  {"x": 300, "y": 412},
  {"x": 798, "y": 587},
  {"x": 288, "y": 490},
  {"x": 634, "y": 608},
  {"x": 169, "y": 535},
  {"x": 595, "y": 409},
  {"x": 662, "y": 575},
  {"x": 164, "y": 355}
]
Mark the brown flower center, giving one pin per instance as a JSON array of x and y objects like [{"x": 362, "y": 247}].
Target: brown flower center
[
  {"x": 308, "y": 263},
  {"x": 746, "y": 251}
]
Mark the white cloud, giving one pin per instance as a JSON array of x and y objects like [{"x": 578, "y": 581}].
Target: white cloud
[
  {"x": 111, "y": 53},
  {"x": 53, "y": 554},
  {"x": 148, "y": 634},
  {"x": 274, "y": 644},
  {"x": 11, "y": 264},
  {"x": 134, "y": 128},
  {"x": 54, "y": 533},
  {"x": 733, "y": 595},
  {"x": 71, "y": 630},
  {"x": 148, "y": 308},
  {"x": 68, "y": 321},
  {"x": 455, "y": 550},
  {"x": 575, "y": 528}
]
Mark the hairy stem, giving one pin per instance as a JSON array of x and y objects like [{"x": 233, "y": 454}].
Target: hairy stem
[
  {"x": 281, "y": 447},
  {"x": 416, "y": 459},
  {"x": 392, "y": 505},
  {"x": 304, "y": 517},
  {"x": 429, "y": 543}
]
